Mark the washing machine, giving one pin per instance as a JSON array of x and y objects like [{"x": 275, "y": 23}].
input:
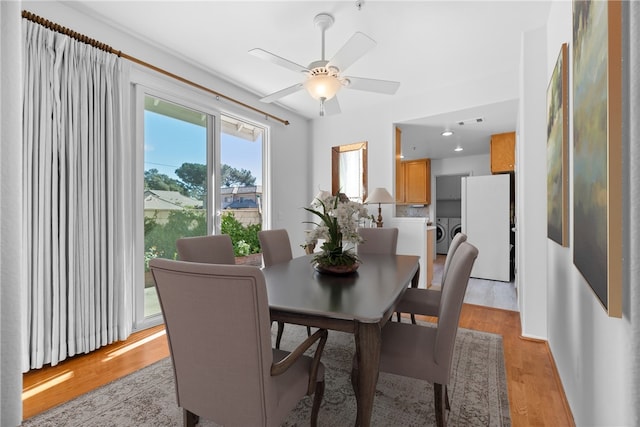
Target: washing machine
[
  {"x": 442, "y": 235},
  {"x": 455, "y": 227}
]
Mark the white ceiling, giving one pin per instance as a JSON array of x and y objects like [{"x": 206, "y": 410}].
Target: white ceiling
[
  {"x": 422, "y": 138},
  {"x": 422, "y": 44}
]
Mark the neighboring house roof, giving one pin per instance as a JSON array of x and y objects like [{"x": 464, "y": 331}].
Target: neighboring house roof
[
  {"x": 168, "y": 200},
  {"x": 242, "y": 204},
  {"x": 242, "y": 190}
]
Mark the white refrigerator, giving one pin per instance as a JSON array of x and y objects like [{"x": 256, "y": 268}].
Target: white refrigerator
[{"x": 485, "y": 221}]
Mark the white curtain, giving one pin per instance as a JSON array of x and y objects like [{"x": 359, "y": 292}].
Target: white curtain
[{"x": 77, "y": 234}]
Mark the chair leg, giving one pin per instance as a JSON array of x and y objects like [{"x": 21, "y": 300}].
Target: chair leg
[
  {"x": 413, "y": 318},
  {"x": 317, "y": 400},
  {"x": 279, "y": 336},
  {"x": 438, "y": 393},
  {"x": 397, "y": 317},
  {"x": 446, "y": 398},
  {"x": 308, "y": 331},
  {"x": 189, "y": 418}
]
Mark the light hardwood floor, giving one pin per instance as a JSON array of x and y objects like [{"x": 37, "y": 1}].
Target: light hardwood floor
[
  {"x": 488, "y": 293},
  {"x": 536, "y": 396}
]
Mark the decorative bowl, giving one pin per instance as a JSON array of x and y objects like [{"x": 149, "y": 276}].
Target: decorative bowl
[{"x": 336, "y": 269}]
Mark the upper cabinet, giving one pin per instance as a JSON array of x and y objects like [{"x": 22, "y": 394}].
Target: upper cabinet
[
  {"x": 413, "y": 178},
  {"x": 417, "y": 181},
  {"x": 503, "y": 152}
]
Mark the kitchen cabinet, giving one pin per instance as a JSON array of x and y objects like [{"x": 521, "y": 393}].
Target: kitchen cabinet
[
  {"x": 417, "y": 181},
  {"x": 413, "y": 177},
  {"x": 503, "y": 152}
]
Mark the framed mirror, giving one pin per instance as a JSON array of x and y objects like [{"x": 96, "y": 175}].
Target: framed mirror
[{"x": 349, "y": 170}]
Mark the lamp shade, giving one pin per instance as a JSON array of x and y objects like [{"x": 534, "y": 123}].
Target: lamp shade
[
  {"x": 380, "y": 195},
  {"x": 322, "y": 86}
]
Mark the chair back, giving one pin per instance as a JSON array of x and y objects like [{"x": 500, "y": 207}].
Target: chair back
[
  {"x": 457, "y": 239},
  {"x": 378, "y": 240},
  {"x": 276, "y": 247},
  {"x": 453, "y": 291},
  {"x": 206, "y": 308},
  {"x": 214, "y": 249}
]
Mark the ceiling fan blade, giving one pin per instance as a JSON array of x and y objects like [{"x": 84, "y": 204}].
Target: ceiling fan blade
[
  {"x": 278, "y": 60},
  {"x": 353, "y": 49},
  {"x": 282, "y": 93},
  {"x": 372, "y": 85},
  {"x": 332, "y": 106}
]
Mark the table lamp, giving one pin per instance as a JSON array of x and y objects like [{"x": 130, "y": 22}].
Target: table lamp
[{"x": 379, "y": 195}]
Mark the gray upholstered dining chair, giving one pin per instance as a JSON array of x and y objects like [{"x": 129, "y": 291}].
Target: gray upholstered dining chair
[
  {"x": 231, "y": 381},
  {"x": 426, "y": 302},
  {"x": 425, "y": 352},
  {"x": 378, "y": 240},
  {"x": 276, "y": 248},
  {"x": 213, "y": 249}
]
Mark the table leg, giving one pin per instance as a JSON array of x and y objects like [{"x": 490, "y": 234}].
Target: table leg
[
  {"x": 367, "y": 336},
  {"x": 415, "y": 281}
]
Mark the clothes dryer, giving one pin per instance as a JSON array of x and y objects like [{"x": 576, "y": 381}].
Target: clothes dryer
[
  {"x": 455, "y": 227},
  {"x": 442, "y": 235}
]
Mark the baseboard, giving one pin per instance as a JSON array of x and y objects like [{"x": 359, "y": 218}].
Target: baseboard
[{"x": 556, "y": 377}]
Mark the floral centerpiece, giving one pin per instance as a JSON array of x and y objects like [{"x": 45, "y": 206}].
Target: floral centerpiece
[{"x": 338, "y": 226}]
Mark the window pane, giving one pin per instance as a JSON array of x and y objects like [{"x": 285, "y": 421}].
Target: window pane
[
  {"x": 175, "y": 183},
  {"x": 241, "y": 194}
]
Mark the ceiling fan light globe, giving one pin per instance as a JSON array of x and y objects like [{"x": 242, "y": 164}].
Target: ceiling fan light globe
[{"x": 322, "y": 86}]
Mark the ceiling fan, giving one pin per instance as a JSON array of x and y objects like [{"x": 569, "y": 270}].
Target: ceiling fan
[{"x": 324, "y": 78}]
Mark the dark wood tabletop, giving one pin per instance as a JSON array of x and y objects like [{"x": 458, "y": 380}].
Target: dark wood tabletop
[{"x": 365, "y": 295}]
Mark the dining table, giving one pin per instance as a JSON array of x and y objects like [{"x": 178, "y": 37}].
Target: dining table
[{"x": 359, "y": 303}]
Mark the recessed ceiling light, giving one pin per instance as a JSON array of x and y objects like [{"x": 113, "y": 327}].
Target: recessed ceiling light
[
  {"x": 447, "y": 133},
  {"x": 458, "y": 148}
]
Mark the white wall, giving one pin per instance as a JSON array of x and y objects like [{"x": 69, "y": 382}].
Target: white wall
[
  {"x": 591, "y": 350},
  {"x": 12, "y": 275},
  {"x": 473, "y": 165},
  {"x": 531, "y": 186}
]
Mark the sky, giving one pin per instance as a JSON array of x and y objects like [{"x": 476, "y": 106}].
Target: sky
[{"x": 170, "y": 142}]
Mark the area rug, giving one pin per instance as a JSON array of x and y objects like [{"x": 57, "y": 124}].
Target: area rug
[{"x": 478, "y": 392}]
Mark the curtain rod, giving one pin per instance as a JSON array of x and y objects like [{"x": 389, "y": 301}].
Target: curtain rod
[{"x": 103, "y": 46}]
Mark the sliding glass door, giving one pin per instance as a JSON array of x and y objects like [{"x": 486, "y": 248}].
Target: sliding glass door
[
  {"x": 201, "y": 173},
  {"x": 241, "y": 203},
  {"x": 176, "y": 142}
]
